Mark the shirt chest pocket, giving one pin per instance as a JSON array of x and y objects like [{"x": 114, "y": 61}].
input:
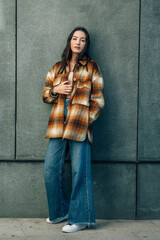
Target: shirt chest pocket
[{"x": 82, "y": 93}]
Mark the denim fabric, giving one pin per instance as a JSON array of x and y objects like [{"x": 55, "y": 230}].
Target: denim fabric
[
  {"x": 66, "y": 108},
  {"x": 80, "y": 205}
]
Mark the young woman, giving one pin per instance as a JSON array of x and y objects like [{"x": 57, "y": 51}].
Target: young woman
[{"x": 75, "y": 88}]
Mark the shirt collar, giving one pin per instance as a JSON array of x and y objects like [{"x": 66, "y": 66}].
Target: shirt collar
[{"x": 83, "y": 61}]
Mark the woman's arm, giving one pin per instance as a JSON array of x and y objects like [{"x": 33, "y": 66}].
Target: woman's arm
[
  {"x": 48, "y": 95},
  {"x": 97, "y": 94}
]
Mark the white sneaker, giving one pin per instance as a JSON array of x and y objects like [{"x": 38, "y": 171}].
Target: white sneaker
[
  {"x": 71, "y": 227},
  {"x": 57, "y": 220}
]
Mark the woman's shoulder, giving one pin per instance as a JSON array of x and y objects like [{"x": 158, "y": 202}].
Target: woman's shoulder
[
  {"x": 57, "y": 64},
  {"x": 92, "y": 61},
  {"x": 94, "y": 64},
  {"x": 55, "y": 67}
]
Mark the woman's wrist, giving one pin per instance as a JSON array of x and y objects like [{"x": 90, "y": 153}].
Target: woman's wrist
[{"x": 53, "y": 92}]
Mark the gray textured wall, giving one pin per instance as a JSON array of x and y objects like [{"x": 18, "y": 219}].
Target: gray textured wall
[
  {"x": 7, "y": 79},
  {"x": 125, "y": 44}
]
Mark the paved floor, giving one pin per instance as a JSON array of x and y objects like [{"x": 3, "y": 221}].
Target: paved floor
[{"x": 37, "y": 229}]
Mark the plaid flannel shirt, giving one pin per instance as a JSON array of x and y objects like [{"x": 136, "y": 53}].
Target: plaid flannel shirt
[{"x": 85, "y": 104}]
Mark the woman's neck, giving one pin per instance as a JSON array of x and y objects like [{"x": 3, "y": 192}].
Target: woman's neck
[
  {"x": 74, "y": 57},
  {"x": 73, "y": 61}
]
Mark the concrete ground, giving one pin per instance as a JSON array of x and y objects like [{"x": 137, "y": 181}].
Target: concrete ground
[{"x": 37, "y": 229}]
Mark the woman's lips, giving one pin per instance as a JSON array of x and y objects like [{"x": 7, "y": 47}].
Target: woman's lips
[{"x": 77, "y": 47}]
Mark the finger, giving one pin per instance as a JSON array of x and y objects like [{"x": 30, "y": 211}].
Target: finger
[
  {"x": 69, "y": 88},
  {"x": 67, "y": 91},
  {"x": 65, "y": 82}
]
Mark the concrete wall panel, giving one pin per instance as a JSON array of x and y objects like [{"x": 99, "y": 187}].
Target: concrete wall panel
[
  {"x": 7, "y": 78},
  {"x": 114, "y": 188},
  {"x": 22, "y": 190},
  {"x": 42, "y": 33},
  {"x": 148, "y": 191},
  {"x": 149, "y": 106}
]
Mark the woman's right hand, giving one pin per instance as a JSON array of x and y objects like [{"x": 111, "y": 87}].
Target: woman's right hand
[{"x": 63, "y": 88}]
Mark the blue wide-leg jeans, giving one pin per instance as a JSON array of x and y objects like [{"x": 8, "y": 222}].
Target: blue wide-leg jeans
[{"x": 79, "y": 207}]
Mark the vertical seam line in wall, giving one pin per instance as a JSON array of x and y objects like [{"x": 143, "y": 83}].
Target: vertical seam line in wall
[
  {"x": 15, "y": 140},
  {"x": 139, "y": 38}
]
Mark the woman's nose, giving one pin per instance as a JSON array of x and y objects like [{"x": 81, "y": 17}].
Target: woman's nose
[{"x": 78, "y": 41}]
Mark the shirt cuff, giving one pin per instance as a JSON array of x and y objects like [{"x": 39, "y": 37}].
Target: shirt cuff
[{"x": 54, "y": 95}]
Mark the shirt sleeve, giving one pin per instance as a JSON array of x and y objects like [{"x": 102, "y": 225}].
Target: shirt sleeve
[
  {"x": 54, "y": 95},
  {"x": 97, "y": 94},
  {"x": 48, "y": 95}
]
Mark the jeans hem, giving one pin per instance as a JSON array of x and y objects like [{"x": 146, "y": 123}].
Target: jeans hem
[{"x": 59, "y": 219}]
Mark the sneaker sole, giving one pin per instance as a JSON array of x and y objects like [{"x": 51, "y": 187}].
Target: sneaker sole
[{"x": 70, "y": 231}]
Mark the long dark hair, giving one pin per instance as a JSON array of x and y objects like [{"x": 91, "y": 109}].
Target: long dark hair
[{"x": 67, "y": 52}]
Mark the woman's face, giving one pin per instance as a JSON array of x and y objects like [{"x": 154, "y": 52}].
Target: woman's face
[{"x": 78, "y": 42}]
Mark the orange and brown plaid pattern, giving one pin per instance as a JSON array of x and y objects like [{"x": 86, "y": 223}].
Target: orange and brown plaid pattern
[{"x": 85, "y": 104}]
